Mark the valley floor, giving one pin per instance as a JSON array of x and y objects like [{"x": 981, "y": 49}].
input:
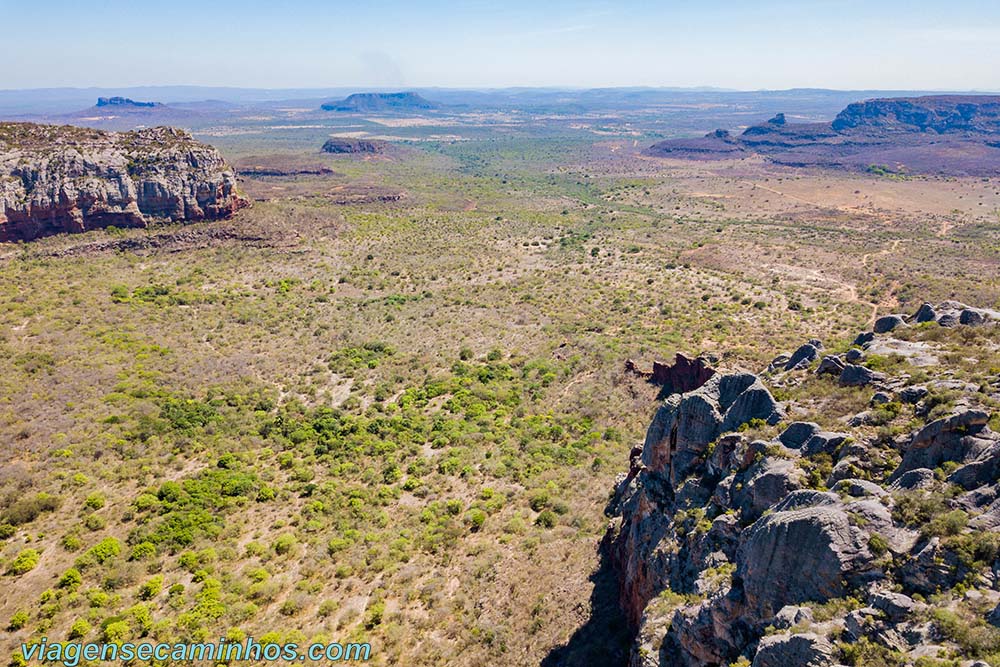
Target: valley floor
[{"x": 389, "y": 403}]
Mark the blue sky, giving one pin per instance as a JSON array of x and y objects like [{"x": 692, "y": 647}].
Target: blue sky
[{"x": 746, "y": 44}]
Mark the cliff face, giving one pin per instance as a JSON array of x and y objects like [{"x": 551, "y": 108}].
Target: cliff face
[
  {"x": 951, "y": 135},
  {"x": 798, "y": 545},
  {"x": 941, "y": 114},
  {"x": 65, "y": 179}
]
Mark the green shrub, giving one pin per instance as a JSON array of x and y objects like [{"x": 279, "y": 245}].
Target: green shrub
[
  {"x": 94, "y": 501},
  {"x": 142, "y": 551},
  {"x": 71, "y": 579},
  {"x": 100, "y": 553},
  {"x": 546, "y": 519},
  {"x": 373, "y": 616},
  {"x": 284, "y": 544},
  {"x": 116, "y": 632},
  {"x": 476, "y": 518},
  {"x": 945, "y": 525},
  {"x": 27, "y": 509},
  {"x": 151, "y": 588},
  {"x": 18, "y": 620},
  {"x": 25, "y": 561},
  {"x": 878, "y": 544},
  {"x": 80, "y": 629}
]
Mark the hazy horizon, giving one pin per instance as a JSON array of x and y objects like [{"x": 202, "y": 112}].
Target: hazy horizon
[{"x": 771, "y": 45}]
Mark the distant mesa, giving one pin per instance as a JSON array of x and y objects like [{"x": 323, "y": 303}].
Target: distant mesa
[
  {"x": 60, "y": 178},
  {"x": 943, "y": 134},
  {"x": 368, "y": 102},
  {"x": 125, "y": 102},
  {"x": 340, "y": 145}
]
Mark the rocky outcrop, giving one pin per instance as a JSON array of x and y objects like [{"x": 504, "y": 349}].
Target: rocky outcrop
[
  {"x": 339, "y": 145},
  {"x": 65, "y": 179},
  {"x": 719, "y": 538},
  {"x": 957, "y": 135},
  {"x": 684, "y": 375}
]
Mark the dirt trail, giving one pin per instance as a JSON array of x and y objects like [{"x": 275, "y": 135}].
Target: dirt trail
[
  {"x": 865, "y": 259},
  {"x": 857, "y": 210}
]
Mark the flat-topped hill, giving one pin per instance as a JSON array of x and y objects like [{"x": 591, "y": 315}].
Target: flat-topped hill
[
  {"x": 379, "y": 102},
  {"x": 58, "y": 178}
]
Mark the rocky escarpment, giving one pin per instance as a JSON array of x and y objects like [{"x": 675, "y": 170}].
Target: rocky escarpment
[
  {"x": 744, "y": 534},
  {"x": 944, "y": 134},
  {"x": 341, "y": 145},
  {"x": 941, "y": 114},
  {"x": 67, "y": 179}
]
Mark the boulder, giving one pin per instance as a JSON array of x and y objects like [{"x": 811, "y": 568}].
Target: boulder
[
  {"x": 792, "y": 615},
  {"x": 831, "y": 364},
  {"x": 887, "y": 323},
  {"x": 913, "y": 395},
  {"x": 984, "y": 466},
  {"x": 859, "y": 488},
  {"x": 854, "y": 355},
  {"x": 797, "y": 433},
  {"x": 768, "y": 482},
  {"x": 804, "y": 356},
  {"x": 824, "y": 442},
  {"x": 847, "y": 467},
  {"x": 864, "y": 338},
  {"x": 803, "y": 650},
  {"x": 880, "y": 398},
  {"x": 919, "y": 478},
  {"x": 949, "y": 313},
  {"x": 859, "y": 376},
  {"x": 895, "y": 606},
  {"x": 945, "y": 439},
  {"x": 925, "y": 313},
  {"x": 978, "y": 316},
  {"x": 809, "y": 554}
]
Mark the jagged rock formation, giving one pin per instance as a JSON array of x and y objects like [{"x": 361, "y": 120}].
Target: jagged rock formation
[
  {"x": 67, "y": 179},
  {"x": 725, "y": 544},
  {"x": 366, "y": 102},
  {"x": 685, "y": 374},
  {"x": 937, "y": 134},
  {"x": 340, "y": 145}
]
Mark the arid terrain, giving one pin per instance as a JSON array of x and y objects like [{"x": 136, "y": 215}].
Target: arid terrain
[{"x": 388, "y": 402}]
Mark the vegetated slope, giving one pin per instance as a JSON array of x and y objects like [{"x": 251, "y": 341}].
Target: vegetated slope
[
  {"x": 957, "y": 135},
  {"x": 363, "y": 102},
  {"x": 747, "y": 532},
  {"x": 67, "y": 179}
]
